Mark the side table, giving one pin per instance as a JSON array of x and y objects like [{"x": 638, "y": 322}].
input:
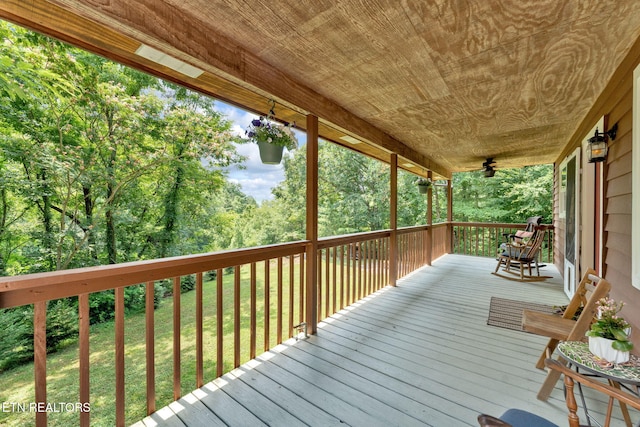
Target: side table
[{"x": 626, "y": 374}]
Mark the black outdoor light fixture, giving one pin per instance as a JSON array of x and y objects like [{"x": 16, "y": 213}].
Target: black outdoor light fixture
[
  {"x": 489, "y": 171},
  {"x": 597, "y": 148}
]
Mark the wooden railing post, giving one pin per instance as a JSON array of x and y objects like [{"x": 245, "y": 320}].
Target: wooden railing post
[
  {"x": 429, "y": 240},
  {"x": 312, "y": 225},
  {"x": 393, "y": 219},
  {"x": 449, "y": 217},
  {"x": 150, "y": 346},
  {"x": 119, "y": 357},
  {"x": 40, "y": 360},
  {"x": 83, "y": 357}
]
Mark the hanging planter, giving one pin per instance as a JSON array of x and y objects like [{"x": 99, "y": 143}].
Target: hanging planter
[
  {"x": 423, "y": 185},
  {"x": 270, "y": 154},
  {"x": 272, "y": 138}
]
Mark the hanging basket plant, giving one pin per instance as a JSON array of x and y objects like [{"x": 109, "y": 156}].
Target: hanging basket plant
[
  {"x": 423, "y": 185},
  {"x": 272, "y": 138}
]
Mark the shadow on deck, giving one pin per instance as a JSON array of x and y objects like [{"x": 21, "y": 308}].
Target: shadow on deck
[{"x": 418, "y": 354}]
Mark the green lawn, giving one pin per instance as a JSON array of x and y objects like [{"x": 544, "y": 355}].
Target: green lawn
[{"x": 62, "y": 366}]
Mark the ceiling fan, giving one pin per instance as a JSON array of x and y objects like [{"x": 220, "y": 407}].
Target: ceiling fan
[{"x": 489, "y": 167}]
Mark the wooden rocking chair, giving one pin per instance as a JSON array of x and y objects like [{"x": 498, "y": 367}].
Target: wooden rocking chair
[
  {"x": 571, "y": 326},
  {"x": 522, "y": 254}
]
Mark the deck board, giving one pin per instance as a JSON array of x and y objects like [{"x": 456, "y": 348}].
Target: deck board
[{"x": 418, "y": 354}]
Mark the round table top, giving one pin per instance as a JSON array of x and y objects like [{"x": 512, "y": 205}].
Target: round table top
[{"x": 578, "y": 353}]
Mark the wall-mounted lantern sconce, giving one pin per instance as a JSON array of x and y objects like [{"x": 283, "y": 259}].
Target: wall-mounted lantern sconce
[{"x": 597, "y": 148}]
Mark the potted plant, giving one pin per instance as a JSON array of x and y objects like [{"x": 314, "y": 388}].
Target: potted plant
[
  {"x": 609, "y": 334},
  {"x": 271, "y": 138},
  {"x": 423, "y": 185}
]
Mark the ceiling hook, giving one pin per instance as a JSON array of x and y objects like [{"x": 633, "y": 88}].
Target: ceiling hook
[{"x": 272, "y": 108}]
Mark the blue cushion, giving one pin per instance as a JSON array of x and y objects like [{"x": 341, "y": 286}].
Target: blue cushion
[{"x": 519, "y": 418}]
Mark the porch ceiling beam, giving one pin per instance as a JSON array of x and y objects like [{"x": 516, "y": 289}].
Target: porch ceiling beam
[{"x": 194, "y": 40}]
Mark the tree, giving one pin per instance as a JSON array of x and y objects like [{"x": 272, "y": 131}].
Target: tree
[{"x": 511, "y": 196}]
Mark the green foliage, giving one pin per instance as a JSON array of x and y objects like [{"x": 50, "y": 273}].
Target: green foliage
[
  {"x": 102, "y": 304},
  {"x": 16, "y": 346},
  {"x": 511, "y": 196},
  {"x": 353, "y": 194},
  {"x": 120, "y": 167},
  {"x": 610, "y": 325}
]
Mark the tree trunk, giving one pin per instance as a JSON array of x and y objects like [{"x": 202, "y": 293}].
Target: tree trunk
[
  {"x": 171, "y": 212},
  {"x": 110, "y": 232},
  {"x": 47, "y": 238},
  {"x": 88, "y": 213},
  {"x": 3, "y": 225},
  {"x": 112, "y": 252}
]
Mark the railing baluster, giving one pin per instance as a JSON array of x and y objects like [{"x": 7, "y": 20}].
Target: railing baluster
[
  {"x": 365, "y": 268},
  {"x": 83, "y": 357},
  {"x": 199, "y": 326},
  {"x": 348, "y": 274},
  {"x": 119, "y": 343},
  {"x": 334, "y": 280},
  {"x": 253, "y": 321},
  {"x": 267, "y": 304},
  {"x": 176, "y": 338},
  {"x": 291, "y": 294},
  {"x": 301, "y": 289},
  {"x": 280, "y": 300},
  {"x": 236, "y": 316},
  {"x": 375, "y": 273},
  {"x": 327, "y": 277},
  {"x": 219, "y": 324},
  {"x": 368, "y": 268},
  {"x": 40, "y": 358},
  {"x": 342, "y": 284},
  {"x": 150, "y": 347},
  {"x": 319, "y": 280}
]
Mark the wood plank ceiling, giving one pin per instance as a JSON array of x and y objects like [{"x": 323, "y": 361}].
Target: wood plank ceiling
[{"x": 443, "y": 83}]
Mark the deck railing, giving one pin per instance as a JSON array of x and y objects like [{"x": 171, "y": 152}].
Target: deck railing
[
  {"x": 350, "y": 268},
  {"x": 483, "y": 239},
  {"x": 267, "y": 287},
  {"x": 412, "y": 249},
  {"x": 270, "y": 270}
]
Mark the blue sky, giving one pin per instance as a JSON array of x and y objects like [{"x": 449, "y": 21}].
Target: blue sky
[{"x": 256, "y": 179}]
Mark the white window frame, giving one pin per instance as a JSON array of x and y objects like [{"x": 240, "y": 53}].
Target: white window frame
[{"x": 635, "y": 188}]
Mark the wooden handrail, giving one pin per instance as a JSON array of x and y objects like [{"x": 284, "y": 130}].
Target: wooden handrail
[
  {"x": 27, "y": 289},
  {"x": 326, "y": 242}
]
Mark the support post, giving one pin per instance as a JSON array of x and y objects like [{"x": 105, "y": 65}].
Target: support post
[
  {"x": 393, "y": 220},
  {"x": 449, "y": 217},
  {"x": 429, "y": 249},
  {"x": 312, "y": 225}
]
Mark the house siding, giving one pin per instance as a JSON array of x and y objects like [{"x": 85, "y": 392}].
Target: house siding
[{"x": 615, "y": 104}]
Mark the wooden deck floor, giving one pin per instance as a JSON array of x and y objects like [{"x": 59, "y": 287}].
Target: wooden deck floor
[{"x": 415, "y": 355}]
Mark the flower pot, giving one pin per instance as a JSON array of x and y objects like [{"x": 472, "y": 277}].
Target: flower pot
[
  {"x": 423, "y": 188},
  {"x": 270, "y": 154},
  {"x": 602, "y": 348}
]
